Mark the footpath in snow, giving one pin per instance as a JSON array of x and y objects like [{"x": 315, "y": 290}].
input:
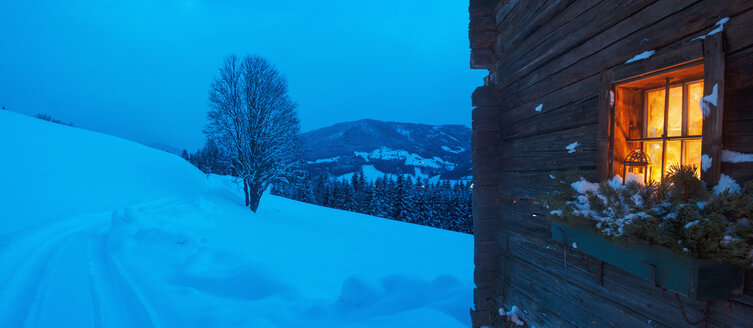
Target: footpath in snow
[{"x": 97, "y": 231}]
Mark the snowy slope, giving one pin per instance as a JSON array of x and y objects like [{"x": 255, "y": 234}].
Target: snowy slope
[
  {"x": 97, "y": 231},
  {"x": 389, "y": 148}
]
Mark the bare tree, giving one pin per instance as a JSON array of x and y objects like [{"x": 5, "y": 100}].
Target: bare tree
[{"x": 254, "y": 123}]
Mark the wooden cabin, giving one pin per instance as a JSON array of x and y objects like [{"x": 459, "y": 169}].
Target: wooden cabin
[{"x": 579, "y": 84}]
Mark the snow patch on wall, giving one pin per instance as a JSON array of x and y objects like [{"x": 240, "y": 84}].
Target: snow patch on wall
[
  {"x": 515, "y": 315},
  {"x": 571, "y": 147},
  {"x": 730, "y": 156},
  {"x": 641, "y": 56},
  {"x": 705, "y": 162},
  {"x": 720, "y": 27},
  {"x": 726, "y": 183},
  {"x": 710, "y": 99},
  {"x": 539, "y": 107}
]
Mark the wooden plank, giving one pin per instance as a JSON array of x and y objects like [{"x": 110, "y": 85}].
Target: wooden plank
[
  {"x": 742, "y": 144},
  {"x": 539, "y": 314},
  {"x": 737, "y": 63},
  {"x": 575, "y": 92},
  {"x": 568, "y": 116},
  {"x": 663, "y": 60},
  {"x": 563, "y": 70},
  {"x": 614, "y": 36},
  {"x": 627, "y": 124},
  {"x": 553, "y": 30},
  {"x": 484, "y": 150},
  {"x": 583, "y": 306},
  {"x": 605, "y": 128},
  {"x": 741, "y": 127},
  {"x": 586, "y": 26},
  {"x": 517, "y": 216},
  {"x": 536, "y": 15},
  {"x": 713, "y": 76},
  {"x": 738, "y": 106},
  {"x": 525, "y": 184},
  {"x": 741, "y": 172},
  {"x": 547, "y": 152},
  {"x": 505, "y": 9},
  {"x": 737, "y": 31},
  {"x": 631, "y": 292}
]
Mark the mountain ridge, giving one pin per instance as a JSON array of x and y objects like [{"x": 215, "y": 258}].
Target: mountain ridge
[{"x": 389, "y": 148}]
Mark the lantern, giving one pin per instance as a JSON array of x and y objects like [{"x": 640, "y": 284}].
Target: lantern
[{"x": 636, "y": 163}]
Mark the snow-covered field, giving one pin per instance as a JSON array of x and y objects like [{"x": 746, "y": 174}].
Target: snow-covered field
[{"x": 97, "y": 231}]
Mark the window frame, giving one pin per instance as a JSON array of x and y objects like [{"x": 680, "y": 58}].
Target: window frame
[{"x": 710, "y": 53}]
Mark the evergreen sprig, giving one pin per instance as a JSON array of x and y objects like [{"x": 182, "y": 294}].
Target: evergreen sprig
[{"x": 678, "y": 213}]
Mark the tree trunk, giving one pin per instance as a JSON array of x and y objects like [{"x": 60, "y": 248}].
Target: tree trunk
[
  {"x": 255, "y": 191},
  {"x": 246, "y": 192}
]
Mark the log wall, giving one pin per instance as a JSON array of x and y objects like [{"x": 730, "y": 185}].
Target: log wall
[{"x": 554, "y": 54}]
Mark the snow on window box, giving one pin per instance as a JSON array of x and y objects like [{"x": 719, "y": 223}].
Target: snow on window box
[
  {"x": 635, "y": 211},
  {"x": 678, "y": 226}
]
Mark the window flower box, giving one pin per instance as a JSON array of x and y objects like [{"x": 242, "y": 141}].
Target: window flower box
[{"x": 693, "y": 278}]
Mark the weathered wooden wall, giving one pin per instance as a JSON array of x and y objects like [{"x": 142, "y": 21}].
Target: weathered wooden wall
[{"x": 553, "y": 53}]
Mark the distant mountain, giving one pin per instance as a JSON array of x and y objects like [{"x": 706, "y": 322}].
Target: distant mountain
[{"x": 390, "y": 148}]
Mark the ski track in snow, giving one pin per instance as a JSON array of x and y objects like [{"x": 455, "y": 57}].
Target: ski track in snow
[
  {"x": 36, "y": 260},
  {"x": 23, "y": 290}
]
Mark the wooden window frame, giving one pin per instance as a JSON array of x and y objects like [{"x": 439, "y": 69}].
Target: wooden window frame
[{"x": 710, "y": 53}]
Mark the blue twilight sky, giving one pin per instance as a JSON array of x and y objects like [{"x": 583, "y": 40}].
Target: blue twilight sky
[{"x": 141, "y": 69}]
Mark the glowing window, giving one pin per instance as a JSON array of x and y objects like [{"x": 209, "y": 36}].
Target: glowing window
[{"x": 674, "y": 125}]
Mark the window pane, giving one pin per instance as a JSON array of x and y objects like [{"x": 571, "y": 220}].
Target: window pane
[
  {"x": 653, "y": 151},
  {"x": 655, "y": 113},
  {"x": 693, "y": 155},
  {"x": 695, "y": 117},
  {"x": 672, "y": 157},
  {"x": 674, "y": 122}
]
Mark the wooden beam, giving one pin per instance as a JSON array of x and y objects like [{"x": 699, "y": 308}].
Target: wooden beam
[
  {"x": 713, "y": 77},
  {"x": 604, "y": 142}
]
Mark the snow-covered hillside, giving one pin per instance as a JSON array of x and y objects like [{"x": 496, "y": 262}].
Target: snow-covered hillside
[
  {"x": 389, "y": 149},
  {"x": 97, "y": 231}
]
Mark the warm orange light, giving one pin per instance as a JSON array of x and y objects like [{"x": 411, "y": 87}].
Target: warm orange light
[
  {"x": 695, "y": 117},
  {"x": 686, "y": 152},
  {"x": 672, "y": 157},
  {"x": 693, "y": 155},
  {"x": 674, "y": 119},
  {"x": 655, "y": 114},
  {"x": 653, "y": 151}
]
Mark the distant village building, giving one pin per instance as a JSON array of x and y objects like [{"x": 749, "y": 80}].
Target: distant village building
[{"x": 583, "y": 85}]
